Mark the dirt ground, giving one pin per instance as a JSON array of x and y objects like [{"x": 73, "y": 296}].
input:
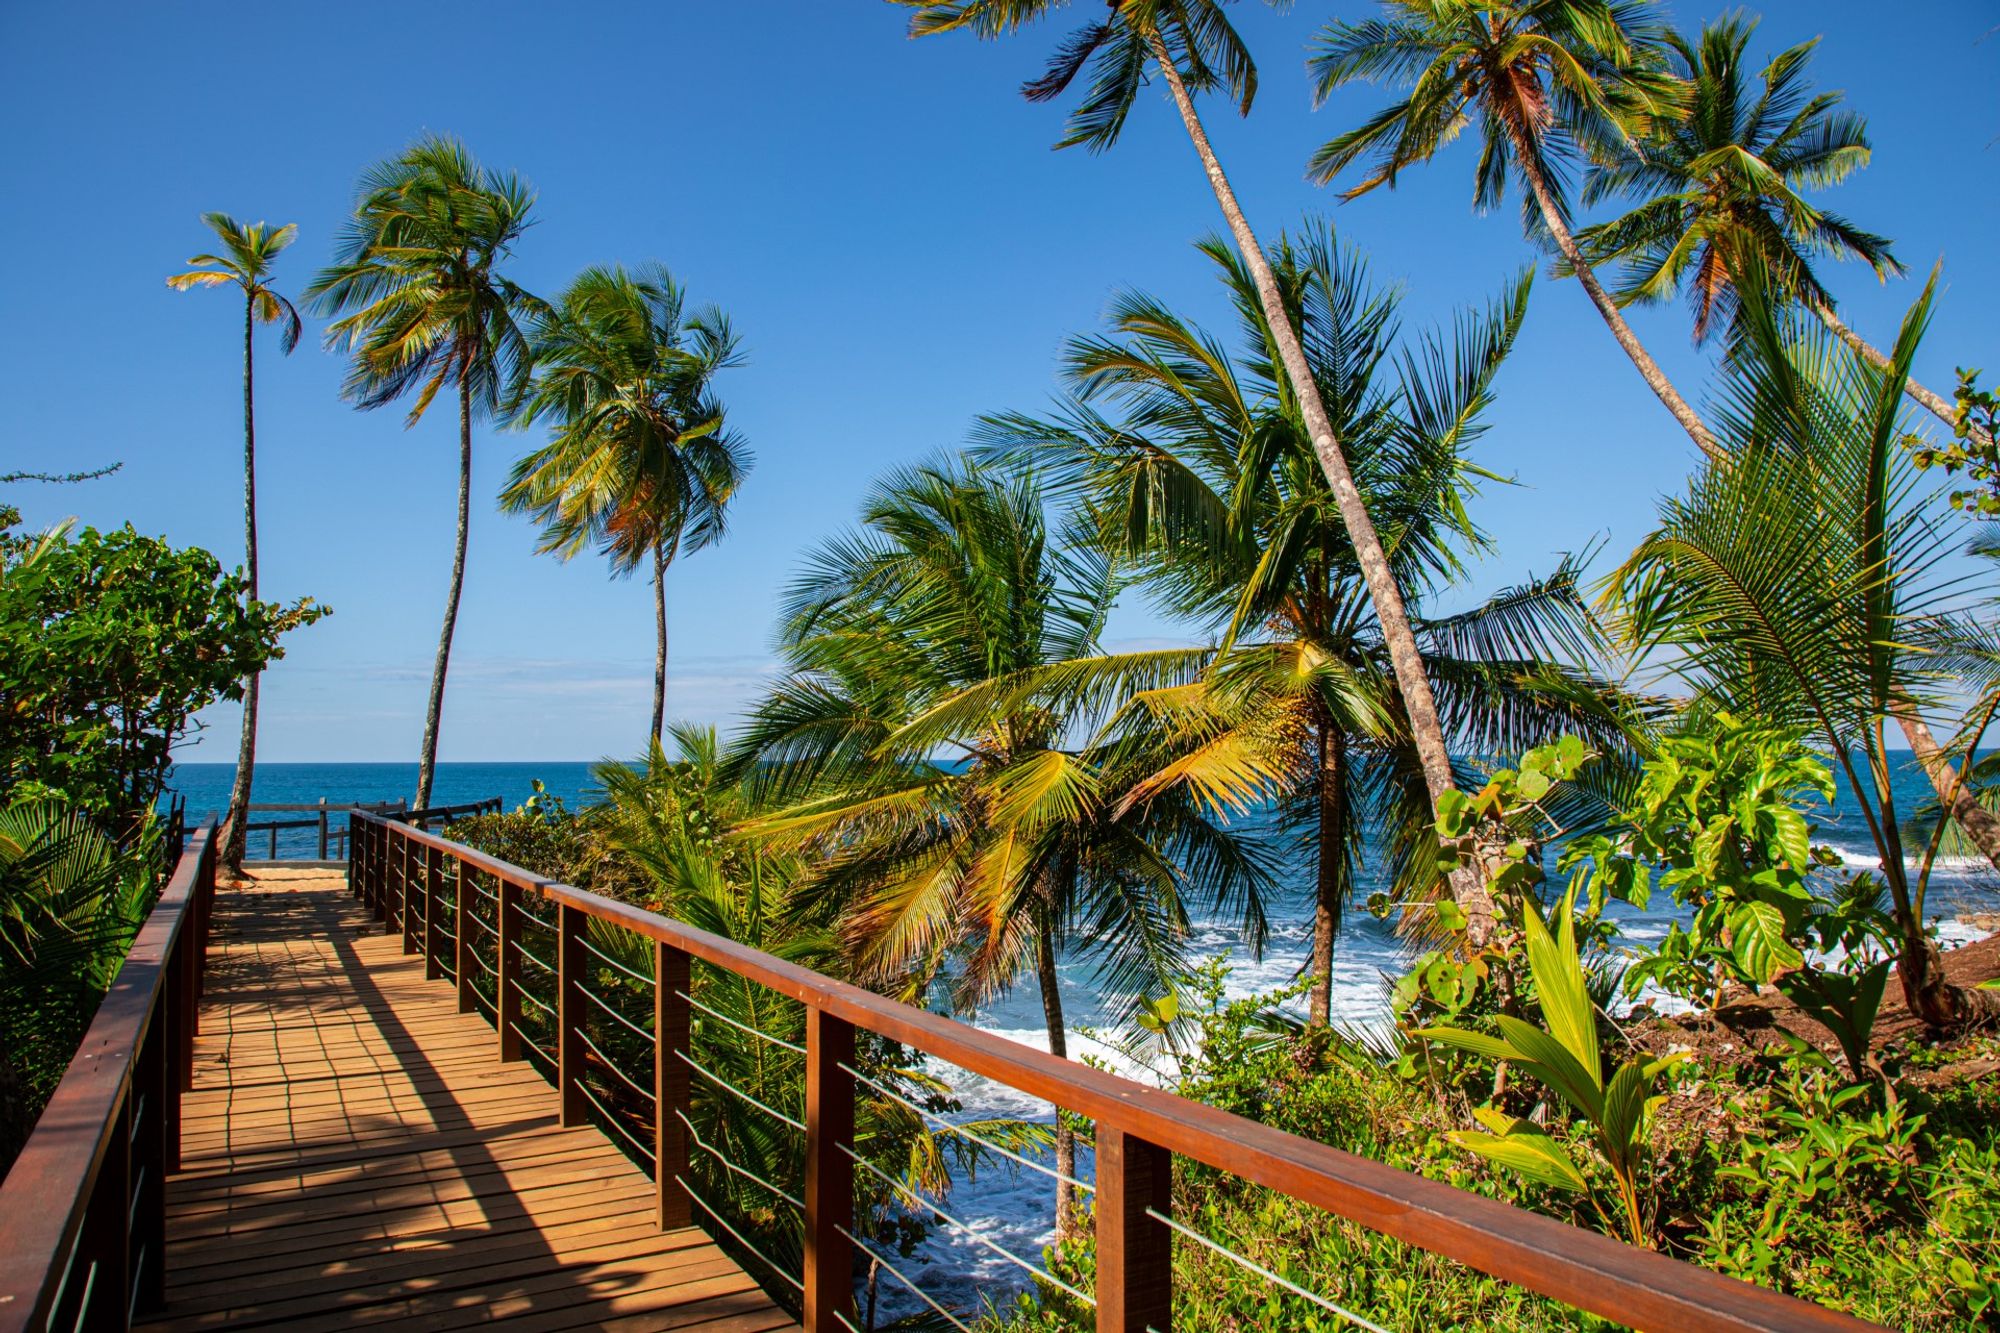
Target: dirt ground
[{"x": 1746, "y": 1026}]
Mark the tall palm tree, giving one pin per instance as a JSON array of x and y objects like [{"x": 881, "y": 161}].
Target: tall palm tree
[
  {"x": 1721, "y": 190},
  {"x": 1725, "y": 181},
  {"x": 421, "y": 304},
  {"x": 1790, "y": 582},
  {"x": 1545, "y": 78},
  {"x": 1207, "y": 481},
  {"x": 1195, "y": 50},
  {"x": 248, "y": 251},
  {"x": 638, "y": 461},
  {"x": 970, "y": 829}
]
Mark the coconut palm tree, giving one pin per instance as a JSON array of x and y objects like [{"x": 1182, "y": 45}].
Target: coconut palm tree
[
  {"x": 1721, "y": 189},
  {"x": 1206, "y": 480},
  {"x": 420, "y": 303},
  {"x": 1725, "y": 180},
  {"x": 1545, "y": 79},
  {"x": 1195, "y": 50},
  {"x": 638, "y": 461},
  {"x": 248, "y": 251},
  {"x": 1790, "y": 582},
  {"x": 968, "y": 829}
]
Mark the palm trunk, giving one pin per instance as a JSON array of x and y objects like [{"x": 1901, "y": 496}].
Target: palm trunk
[
  {"x": 1649, "y": 369},
  {"x": 1975, "y": 820},
  {"x": 1931, "y": 402},
  {"x": 427, "y": 763},
  {"x": 1467, "y": 888},
  {"x": 1067, "y": 1221},
  {"x": 246, "y": 746},
  {"x": 660, "y": 642},
  {"x": 1332, "y": 847}
]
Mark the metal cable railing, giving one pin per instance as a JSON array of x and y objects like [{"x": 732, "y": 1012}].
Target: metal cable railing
[{"x": 1140, "y": 1133}]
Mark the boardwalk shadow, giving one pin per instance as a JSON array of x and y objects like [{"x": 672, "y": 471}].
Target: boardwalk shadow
[{"x": 357, "y": 1153}]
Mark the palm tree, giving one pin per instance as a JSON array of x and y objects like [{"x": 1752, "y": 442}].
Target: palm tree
[
  {"x": 1195, "y": 50},
  {"x": 248, "y": 252},
  {"x": 967, "y": 826},
  {"x": 1544, "y": 77},
  {"x": 1726, "y": 181},
  {"x": 639, "y": 460},
  {"x": 421, "y": 304},
  {"x": 1790, "y": 582},
  {"x": 1721, "y": 190},
  {"x": 1207, "y": 480}
]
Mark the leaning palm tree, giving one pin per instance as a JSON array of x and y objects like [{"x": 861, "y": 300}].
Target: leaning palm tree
[
  {"x": 1195, "y": 50},
  {"x": 1726, "y": 180},
  {"x": 1205, "y": 480},
  {"x": 1721, "y": 191},
  {"x": 966, "y": 829},
  {"x": 421, "y": 304},
  {"x": 1544, "y": 78},
  {"x": 638, "y": 461},
  {"x": 246, "y": 258},
  {"x": 1791, "y": 582}
]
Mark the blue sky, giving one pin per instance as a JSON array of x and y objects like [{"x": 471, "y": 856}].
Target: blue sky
[{"x": 886, "y": 223}]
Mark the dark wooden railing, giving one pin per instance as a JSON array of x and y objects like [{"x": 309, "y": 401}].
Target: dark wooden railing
[
  {"x": 402, "y": 873},
  {"x": 83, "y": 1210},
  {"x": 327, "y": 820}
]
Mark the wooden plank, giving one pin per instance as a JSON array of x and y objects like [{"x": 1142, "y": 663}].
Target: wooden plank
[{"x": 355, "y": 1154}]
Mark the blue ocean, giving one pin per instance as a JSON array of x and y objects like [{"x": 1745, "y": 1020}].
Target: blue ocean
[{"x": 1015, "y": 1208}]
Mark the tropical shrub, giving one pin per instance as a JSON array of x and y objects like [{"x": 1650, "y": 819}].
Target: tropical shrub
[
  {"x": 70, "y": 901},
  {"x": 110, "y": 644}
]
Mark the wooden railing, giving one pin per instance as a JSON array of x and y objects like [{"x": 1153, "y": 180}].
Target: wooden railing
[
  {"x": 83, "y": 1210},
  {"x": 328, "y": 821},
  {"x": 403, "y": 873}
]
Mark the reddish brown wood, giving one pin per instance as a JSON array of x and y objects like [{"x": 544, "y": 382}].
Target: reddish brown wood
[
  {"x": 507, "y": 962},
  {"x": 1583, "y": 1268},
  {"x": 572, "y": 963},
  {"x": 672, "y": 979},
  {"x": 829, "y": 1260},
  {"x": 461, "y": 936},
  {"x": 430, "y": 870},
  {"x": 1135, "y": 1253},
  {"x": 70, "y": 1187},
  {"x": 410, "y": 894}
]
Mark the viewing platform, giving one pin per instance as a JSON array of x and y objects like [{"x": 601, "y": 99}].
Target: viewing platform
[{"x": 438, "y": 1090}]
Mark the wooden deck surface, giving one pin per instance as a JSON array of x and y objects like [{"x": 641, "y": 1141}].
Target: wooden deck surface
[{"x": 354, "y": 1153}]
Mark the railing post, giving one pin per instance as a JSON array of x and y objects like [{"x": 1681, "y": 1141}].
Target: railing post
[
  {"x": 322, "y": 828},
  {"x": 571, "y": 961},
  {"x": 507, "y": 966},
  {"x": 433, "y": 873},
  {"x": 170, "y": 1020},
  {"x": 829, "y": 1259},
  {"x": 461, "y": 938},
  {"x": 1135, "y": 1256},
  {"x": 103, "y": 1261},
  {"x": 410, "y": 892},
  {"x": 150, "y": 1127},
  {"x": 671, "y": 980}
]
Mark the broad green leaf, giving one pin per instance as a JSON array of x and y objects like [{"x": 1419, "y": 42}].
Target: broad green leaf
[
  {"x": 1758, "y": 944},
  {"x": 1559, "y": 979},
  {"x": 1794, "y": 836},
  {"x": 1573, "y": 1080},
  {"x": 1529, "y": 1152},
  {"x": 1479, "y": 1043}
]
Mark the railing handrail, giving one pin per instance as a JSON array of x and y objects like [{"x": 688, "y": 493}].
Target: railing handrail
[
  {"x": 331, "y": 807},
  {"x": 1582, "y": 1268},
  {"x": 54, "y": 1190}
]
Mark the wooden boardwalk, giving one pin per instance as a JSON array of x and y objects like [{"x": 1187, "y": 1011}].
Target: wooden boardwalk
[{"x": 354, "y": 1153}]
